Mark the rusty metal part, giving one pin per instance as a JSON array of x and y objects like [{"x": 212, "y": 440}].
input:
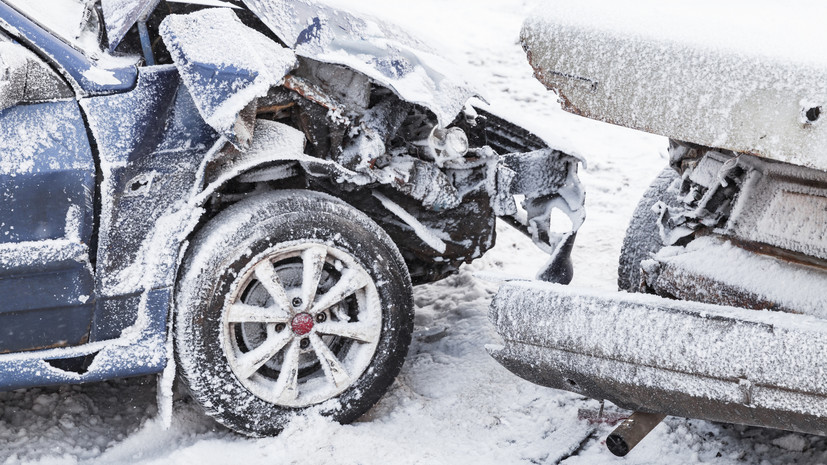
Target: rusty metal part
[
  {"x": 647, "y": 353},
  {"x": 786, "y": 255},
  {"x": 629, "y": 433},
  {"x": 542, "y": 75},
  {"x": 275, "y": 108},
  {"x": 311, "y": 92}
]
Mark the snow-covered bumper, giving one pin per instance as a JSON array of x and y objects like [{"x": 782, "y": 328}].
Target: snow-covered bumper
[
  {"x": 651, "y": 354},
  {"x": 629, "y": 64}
]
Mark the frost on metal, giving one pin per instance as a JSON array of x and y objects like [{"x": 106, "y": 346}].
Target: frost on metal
[
  {"x": 225, "y": 76},
  {"x": 383, "y": 53},
  {"x": 755, "y": 85},
  {"x": 734, "y": 276},
  {"x": 121, "y": 15},
  {"x": 681, "y": 358},
  {"x": 23, "y": 77},
  {"x": 13, "y": 65}
]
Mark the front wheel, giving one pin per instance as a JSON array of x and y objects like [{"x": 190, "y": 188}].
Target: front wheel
[{"x": 291, "y": 300}]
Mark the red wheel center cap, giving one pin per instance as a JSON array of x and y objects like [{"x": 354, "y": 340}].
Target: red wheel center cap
[{"x": 301, "y": 324}]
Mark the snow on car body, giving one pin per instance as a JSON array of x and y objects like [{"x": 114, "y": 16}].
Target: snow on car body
[
  {"x": 271, "y": 190},
  {"x": 736, "y": 222}
]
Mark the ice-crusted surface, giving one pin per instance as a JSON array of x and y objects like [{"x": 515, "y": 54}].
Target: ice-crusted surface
[
  {"x": 30, "y": 133},
  {"x": 273, "y": 141},
  {"x": 781, "y": 205},
  {"x": 740, "y": 76},
  {"x": 224, "y": 76},
  {"x": 65, "y": 18},
  {"x": 120, "y": 15},
  {"x": 27, "y": 254},
  {"x": 12, "y": 73},
  {"x": 383, "y": 52},
  {"x": 776, "y": 351},
  {"x": 765, "y": 277}
]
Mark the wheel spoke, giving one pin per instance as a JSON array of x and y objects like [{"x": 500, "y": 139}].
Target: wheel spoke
[
  {"x": 266, "y": 275},
  {"x": 360, "y": 331},
  {"x": 243, "y": 313},
  {"x": 287, "y": 384},
  {"x": 249, "y": 363},
  {"x": 313, "y": 260},
  {"x": 333, "y": 369},
  {"x": 350, "y": 282}
]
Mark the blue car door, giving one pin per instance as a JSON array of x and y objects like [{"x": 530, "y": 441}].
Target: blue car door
[{"x": 47, "y": 190}]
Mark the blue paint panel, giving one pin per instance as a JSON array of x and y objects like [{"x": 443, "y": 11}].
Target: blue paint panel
[
  {"x": 51, "y": 309},
  {"x": 224, "y": 81},
  {"x": 41, "y": 203},
  {"x": 187, "y": 131},
  {"x": 114, "y": 314},
  {"x": 131, "y": 125},
  {"x": 54, "y": 327},
  {"x": 154, "y": 129},
  {"x": 46, "y": 220},
  {"x": 63, "y": 288},
  {"x": 46, "y": 166},
  {"x": 145, "y": 356},
  {"x": 70, "y": 60}
]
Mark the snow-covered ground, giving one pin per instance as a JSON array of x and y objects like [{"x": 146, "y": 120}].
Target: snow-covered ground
[{"x": 452, "y": 404}]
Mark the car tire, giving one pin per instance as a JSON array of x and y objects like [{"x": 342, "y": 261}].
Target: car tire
[
  {"x": 642, "y": 236},
  {"x": 288, "y": 301}
]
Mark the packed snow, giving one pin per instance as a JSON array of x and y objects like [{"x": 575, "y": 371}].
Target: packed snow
[{"x": 452, "y": 403}]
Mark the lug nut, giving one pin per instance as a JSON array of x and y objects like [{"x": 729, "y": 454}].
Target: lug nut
[
  {"x": 305, "y": 343},
  {"x": 280, "y": 327},
  {"x": 297, "y": 302},
  {"x": 320, "y": 318}
]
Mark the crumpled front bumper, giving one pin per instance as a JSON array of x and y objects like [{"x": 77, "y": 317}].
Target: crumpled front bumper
[{"x": 651, "y": 354}]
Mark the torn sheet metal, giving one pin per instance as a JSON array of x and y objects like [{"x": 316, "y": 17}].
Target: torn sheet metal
[
  {"x": 321, "y": 32},
  {"x": 273, "y": 142},
  {"x": 548, "y": 180},
  {"x": 225, "y": 76},
  {"x": 388, "y": 56}
]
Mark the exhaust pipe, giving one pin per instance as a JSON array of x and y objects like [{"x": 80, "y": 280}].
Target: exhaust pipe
[{"x": 629, "y": 434}]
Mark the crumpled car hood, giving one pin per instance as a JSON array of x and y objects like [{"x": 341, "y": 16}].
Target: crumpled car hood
[
  {"x": 225, "y": 76},
  {"x": 390, "y": 57},
  {"x": 321, "y": 32}
]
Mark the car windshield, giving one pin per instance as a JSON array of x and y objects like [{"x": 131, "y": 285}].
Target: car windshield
[{"x": 74, "y": 21}]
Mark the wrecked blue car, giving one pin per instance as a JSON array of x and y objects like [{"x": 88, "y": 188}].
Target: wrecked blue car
[{"x": 242, "y": 194}]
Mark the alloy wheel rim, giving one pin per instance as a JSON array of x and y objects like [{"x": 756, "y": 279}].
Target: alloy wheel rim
[{"x": 301, "y": 324}]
